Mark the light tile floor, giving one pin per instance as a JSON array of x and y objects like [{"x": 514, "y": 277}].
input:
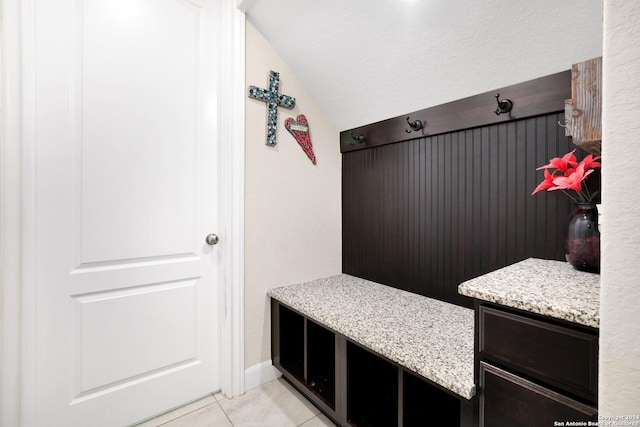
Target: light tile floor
[{"x": 274, "y": 404}]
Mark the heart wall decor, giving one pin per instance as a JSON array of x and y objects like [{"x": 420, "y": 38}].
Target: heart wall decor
[{"x": 299, "y": 128}]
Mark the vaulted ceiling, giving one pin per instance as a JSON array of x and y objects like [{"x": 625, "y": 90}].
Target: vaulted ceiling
[{"x": 369, "y": 60}]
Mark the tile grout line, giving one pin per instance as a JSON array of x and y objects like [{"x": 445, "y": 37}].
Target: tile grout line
[
  {"x": 187, "y": 413},
  {"x": 225, "y": 413},
  {"x": 169, "y": 411},
  {"x": 308, "y": 420}
]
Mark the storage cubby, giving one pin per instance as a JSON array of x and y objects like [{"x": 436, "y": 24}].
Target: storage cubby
[
  {"x": 372, "y": 389},
  {"x": 354, "y": 386},
  {"x": 292, "y": 342},
  {"x": 425, "y": 404},
  {"x": 321, "y": 362}
]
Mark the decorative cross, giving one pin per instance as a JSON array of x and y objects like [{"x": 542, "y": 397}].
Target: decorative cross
[{"x": 273, "y": 100}]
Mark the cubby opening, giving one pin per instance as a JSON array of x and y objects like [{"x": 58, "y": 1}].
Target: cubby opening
[
  {"x": 292, "y": 342},
  {"x": 321, "y": 362},
  {"x": 425, "y": 404},
  {"x": 372, "y": 389}
]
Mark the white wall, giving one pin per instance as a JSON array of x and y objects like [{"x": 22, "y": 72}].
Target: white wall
[
  {"x": 619, "y": 381},
  {"x": 292, "y": 208}
]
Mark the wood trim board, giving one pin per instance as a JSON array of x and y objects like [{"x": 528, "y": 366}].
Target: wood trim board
[{"x": 535, "y": 97}]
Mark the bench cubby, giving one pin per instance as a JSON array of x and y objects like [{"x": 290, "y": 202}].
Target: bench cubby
[
  {"x": 292, "y": 327},
  {"x": 321, "y": 366},
  {"x": 353, "y": 385},
  {"x": 419, "y": 400},
  {"x": 372, "y": 389}
]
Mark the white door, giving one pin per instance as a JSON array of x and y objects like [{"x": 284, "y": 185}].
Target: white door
[{"x": 120, "y": 106}]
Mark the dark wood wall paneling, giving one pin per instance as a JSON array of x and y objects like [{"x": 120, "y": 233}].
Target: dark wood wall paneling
[{"x": 426, "y": 214}]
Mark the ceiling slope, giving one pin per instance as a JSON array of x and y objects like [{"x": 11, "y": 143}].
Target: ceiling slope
[{"x": 369, "y": 60}]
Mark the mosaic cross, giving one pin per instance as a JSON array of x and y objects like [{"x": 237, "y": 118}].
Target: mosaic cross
[{"x": 273, "y": 100}]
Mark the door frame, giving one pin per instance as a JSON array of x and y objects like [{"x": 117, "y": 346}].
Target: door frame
[{"x": 17, "y": 207}]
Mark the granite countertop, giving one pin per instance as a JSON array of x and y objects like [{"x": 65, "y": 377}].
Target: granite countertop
[
  {"x": 429, "y": 337},
  {"x": 550, "y": 288}
]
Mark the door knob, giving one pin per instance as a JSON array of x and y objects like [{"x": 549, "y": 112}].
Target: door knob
[{"x": 212, "y": 239}]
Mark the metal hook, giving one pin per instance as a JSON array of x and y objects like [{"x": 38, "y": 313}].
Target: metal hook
[
  {"x": 415, "y": 125},
  {"x": 504, "y": 106},
  {"x": 359, "y": 139}
]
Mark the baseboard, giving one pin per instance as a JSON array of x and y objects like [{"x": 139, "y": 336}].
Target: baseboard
[{"x": 259, "y": 374}]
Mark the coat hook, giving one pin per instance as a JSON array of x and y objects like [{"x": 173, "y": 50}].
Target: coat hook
[
  {"x": 359, "y": 139},
  {"x": 504, "y": 106},
  {"x": 415, "y": 125}
]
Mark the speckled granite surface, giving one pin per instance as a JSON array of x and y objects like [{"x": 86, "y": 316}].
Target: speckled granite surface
[
  {"x": 427, "y": 336},
  {"x": 551, "y": 288}
]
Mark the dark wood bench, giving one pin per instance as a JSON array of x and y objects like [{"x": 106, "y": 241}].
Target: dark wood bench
[{"x": 369, "y": 354}]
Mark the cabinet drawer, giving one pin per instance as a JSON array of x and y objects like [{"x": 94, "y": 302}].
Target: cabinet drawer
[
  {"x": 508, "y": 400},
  {"x": 556, "y": 355}
]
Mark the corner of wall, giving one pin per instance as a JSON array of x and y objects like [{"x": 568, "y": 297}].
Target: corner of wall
[
  {"x": 292, "y": 207},
  {"x": 259, "y": 374},
  {"x": 619, "y": 364}
]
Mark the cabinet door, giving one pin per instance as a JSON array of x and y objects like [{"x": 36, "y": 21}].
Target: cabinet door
[
  {"x": 508, "y": 400},
  {"x": 555, "y": 355}
]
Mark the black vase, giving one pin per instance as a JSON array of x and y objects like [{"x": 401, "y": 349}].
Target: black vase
[{"x": 583, "y": 238}]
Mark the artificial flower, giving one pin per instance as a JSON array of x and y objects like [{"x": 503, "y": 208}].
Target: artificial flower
[
  {"x": 547, "y": 183},
  {"x": 562, "y": 163},
  {"x": 572, "y": 180},
  {"x": 590, "y": 162},
  {"x": 569, "y": 176}
]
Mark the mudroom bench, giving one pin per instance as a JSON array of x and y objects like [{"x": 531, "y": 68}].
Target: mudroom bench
[{"x": 367, "y": 354}]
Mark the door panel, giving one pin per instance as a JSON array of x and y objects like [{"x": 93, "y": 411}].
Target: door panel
[
  {"x": 126, "y": 314},
  {"x": 140, "y": 95},
  {"x": 150, "y": 328}
]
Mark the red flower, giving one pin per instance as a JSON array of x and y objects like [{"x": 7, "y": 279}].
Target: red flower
[
  {"x": 572, "y": 180},
  {"x": 547, "y": 183},
  {"x": 568, "y": 174},
  {"x": 562, "y": 163},
  {"x": 590, "y": 162}
]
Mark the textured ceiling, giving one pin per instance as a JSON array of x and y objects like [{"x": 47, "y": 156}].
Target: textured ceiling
[{"x": 369, "y": 60}]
